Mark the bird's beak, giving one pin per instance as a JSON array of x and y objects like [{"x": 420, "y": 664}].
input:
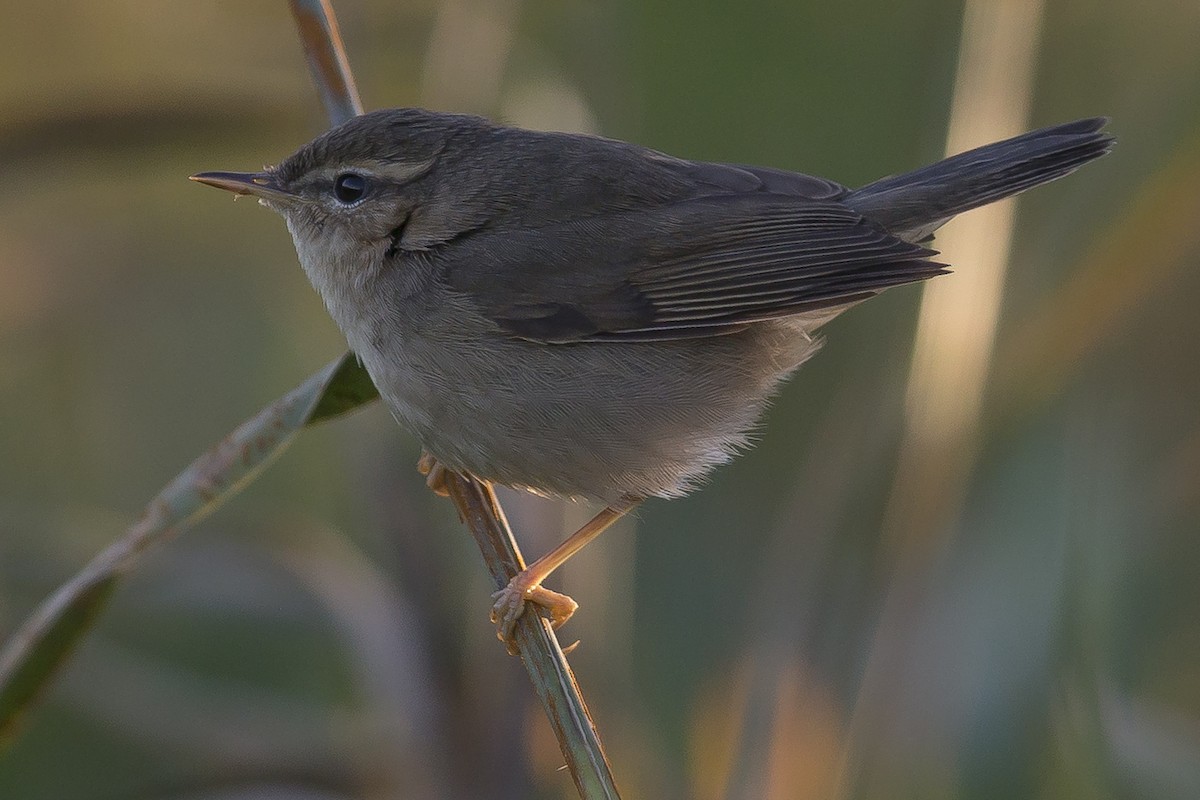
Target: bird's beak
[{"x": 259, "y": 184}]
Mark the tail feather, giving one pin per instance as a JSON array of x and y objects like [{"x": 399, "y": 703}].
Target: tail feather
[{"x": 916, "y": 203}]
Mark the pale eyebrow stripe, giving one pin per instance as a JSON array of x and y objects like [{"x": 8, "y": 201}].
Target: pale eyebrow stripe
[{"x": 397, "y": 171}]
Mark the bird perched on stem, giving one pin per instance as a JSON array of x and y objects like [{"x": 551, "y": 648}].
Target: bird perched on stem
[{"x": 587, "y": 318}]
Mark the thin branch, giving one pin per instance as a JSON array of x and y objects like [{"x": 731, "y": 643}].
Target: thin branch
[
  {"x": 327, "y": 60},
  {"x": 476, "y": 502},
  {"x": 538, "y": 646}
]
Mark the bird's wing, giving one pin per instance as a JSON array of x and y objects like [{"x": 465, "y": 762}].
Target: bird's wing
[{"x": 700, "y": 267}]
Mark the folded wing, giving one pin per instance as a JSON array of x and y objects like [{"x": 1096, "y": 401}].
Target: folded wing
[{"x": 706, "y": 266}]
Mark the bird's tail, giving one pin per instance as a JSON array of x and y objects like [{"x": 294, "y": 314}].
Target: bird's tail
[{"x": 915, "y": 204}]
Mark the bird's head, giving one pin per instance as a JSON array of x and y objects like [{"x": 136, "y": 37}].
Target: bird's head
[{"x": 365, "y": 190}]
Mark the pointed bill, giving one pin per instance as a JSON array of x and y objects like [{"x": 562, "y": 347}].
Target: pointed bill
[{"x": 259, "y": 184}]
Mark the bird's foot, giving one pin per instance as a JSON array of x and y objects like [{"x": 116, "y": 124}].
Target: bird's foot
[
  {"x": 510, "y": 603},
  {"x": 435, "y": 474}
]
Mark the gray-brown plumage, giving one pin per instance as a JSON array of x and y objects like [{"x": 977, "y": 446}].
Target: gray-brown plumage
[{"x": 588, "y": 318}]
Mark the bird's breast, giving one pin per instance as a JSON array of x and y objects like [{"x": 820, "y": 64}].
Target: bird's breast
[{"x": 593, "y": 420}]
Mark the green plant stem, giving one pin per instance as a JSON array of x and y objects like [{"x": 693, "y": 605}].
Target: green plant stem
[{"x": 477, "y": 506}]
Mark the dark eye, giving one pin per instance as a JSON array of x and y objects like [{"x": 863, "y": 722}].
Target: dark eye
[{"x": 349, "y": 187}]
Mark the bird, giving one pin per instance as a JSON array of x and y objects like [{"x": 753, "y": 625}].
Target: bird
[{"x": 591, "y": 319}]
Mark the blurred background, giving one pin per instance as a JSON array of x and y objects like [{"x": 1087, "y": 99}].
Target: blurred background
[{"x": 963, "y": 562}]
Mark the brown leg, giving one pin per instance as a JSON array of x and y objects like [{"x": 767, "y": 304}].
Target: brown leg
[
  {"x": 434, "y": 472},
  {"x": 526, "y": 585}
]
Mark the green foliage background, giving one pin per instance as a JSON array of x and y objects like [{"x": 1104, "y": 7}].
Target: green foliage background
[{"x": 326, "y": 635}]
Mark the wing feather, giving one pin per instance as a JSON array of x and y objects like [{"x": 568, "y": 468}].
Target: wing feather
[{"x": 705, "y": 266}]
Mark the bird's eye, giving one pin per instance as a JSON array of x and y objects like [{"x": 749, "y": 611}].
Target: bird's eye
[{"x": 349, "y": 187}]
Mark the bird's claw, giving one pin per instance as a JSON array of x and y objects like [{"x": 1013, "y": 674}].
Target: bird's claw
[
  {"x": 510, "y": 604},
  {"x": 435, "y": 474}
]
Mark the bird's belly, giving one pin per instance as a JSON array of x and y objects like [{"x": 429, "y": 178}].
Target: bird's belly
[{"x": 587, "y": 420}]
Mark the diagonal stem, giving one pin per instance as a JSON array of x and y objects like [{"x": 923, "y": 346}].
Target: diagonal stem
[
  {"x": 326, "y": 56},
  {"x": 476, "y": 502},
  {"x": 537, "y": 644}
]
